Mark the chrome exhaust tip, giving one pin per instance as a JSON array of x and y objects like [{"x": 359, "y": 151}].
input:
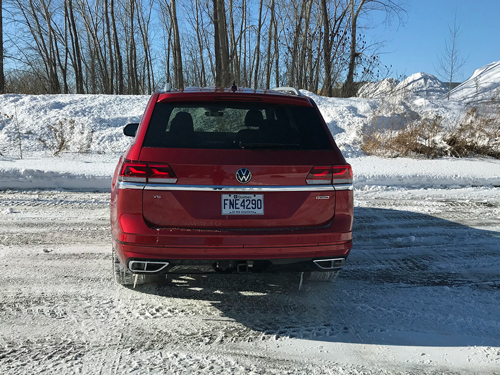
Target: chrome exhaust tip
[
  {"x": 330, "y": 264},
  {"x": 141, "y": 266}
]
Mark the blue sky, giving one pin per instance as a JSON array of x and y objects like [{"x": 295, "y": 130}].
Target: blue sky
[{"x": 415, "y": 46}]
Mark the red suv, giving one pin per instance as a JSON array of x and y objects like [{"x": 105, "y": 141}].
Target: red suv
[{"x": 231, "y": 180}]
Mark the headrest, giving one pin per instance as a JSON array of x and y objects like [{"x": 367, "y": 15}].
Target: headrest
[
  {"x": 253, "y": 118},
  {"x": 182, "y": 123}
]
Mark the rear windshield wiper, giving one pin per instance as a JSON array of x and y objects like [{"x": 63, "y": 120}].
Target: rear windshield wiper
[{"x": 253, "y": 145}]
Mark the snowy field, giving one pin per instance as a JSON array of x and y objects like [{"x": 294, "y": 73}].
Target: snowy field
[{"x": 419, "y": 295}]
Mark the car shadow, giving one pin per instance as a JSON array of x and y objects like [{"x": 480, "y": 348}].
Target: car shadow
[{"x": 411, "y": 279}]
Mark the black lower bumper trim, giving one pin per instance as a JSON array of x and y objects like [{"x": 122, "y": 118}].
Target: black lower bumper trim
[{"x": 239, "y": 266}]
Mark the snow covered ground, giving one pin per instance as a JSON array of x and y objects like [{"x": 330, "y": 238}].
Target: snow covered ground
[{"x": 419, "y": 295}]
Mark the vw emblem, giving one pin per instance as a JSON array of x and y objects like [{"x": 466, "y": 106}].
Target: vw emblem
[{"x": 243, "y": 175}]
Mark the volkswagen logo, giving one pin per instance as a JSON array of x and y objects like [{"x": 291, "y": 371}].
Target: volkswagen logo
[{"x": 243, "y": 175}]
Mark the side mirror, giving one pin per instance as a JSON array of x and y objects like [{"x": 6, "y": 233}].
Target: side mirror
[{"x": 130, "y": 129}]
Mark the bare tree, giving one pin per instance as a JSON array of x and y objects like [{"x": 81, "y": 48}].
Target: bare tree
[
  {"x": 450, "y": 62},
  {"x": 118, "y": 55},
  {"x": 257, "y": 47},
  {"x": 334, "y": 35},
  {"x": 2, "y": 76},
  {"x": 357, "y": 7},
  {"x": 177, "y": 48},
  {"x": 222, "y": 72}
]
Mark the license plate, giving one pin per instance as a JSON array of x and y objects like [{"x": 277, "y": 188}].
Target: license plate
[{"x": 242, "y": 204}]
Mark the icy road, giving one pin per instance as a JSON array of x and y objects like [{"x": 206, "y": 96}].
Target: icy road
[{"x": 420, "y": 295}]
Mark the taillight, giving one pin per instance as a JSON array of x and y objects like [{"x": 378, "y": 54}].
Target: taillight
[
  {"x": 145, "y": 172},
  {"x": 336, "y": 174},
  {"x": 133, "y": 172},
  {"x": 161, "y": 173},
  {"x": 320, "y": 176},
  {"x": 342, "y": 174}
]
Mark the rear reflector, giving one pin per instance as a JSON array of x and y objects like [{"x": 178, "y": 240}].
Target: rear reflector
[
  {"x": 144, "y": 173},
  {"x": 327, "y": 175}
]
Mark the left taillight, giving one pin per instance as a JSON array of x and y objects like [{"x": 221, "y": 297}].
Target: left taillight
[{"x": 145, "y": 172}]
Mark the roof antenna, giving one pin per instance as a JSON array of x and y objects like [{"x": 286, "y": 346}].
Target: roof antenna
[{"x": 233, "y": 87}]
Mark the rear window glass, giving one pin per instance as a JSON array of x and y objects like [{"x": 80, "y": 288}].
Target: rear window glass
[{"x": 235, "y": 126}]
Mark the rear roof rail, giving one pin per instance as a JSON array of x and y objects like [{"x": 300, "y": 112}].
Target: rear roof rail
[{"x": 288, "y": 90}]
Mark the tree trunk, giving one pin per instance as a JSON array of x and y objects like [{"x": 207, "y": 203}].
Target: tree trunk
[
  {"x": 77, "y": 63},
  {"x": 2, "y": 76},
  {"x": 110, "y": 50},
  {"x": 177, "y": 49},
  {"x": 257, "y": 48},
  {"x": 119, "y": 65},
  {"x": 348, "y": 89},
  {"x": 235, "y": 60},
  {"x": 292, "y": 79},
  {"x": 327, "y": 51}
]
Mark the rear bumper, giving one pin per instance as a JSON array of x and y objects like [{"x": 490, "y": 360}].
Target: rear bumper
[{"x": 256, "y": 258}]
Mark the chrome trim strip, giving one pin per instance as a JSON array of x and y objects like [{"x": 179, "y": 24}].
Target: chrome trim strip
[
  {"x": 238, "y": 188},
  {"x": 140, "y": 186},
  {"x": 130, "y": 185},
  {"x": 341, "y": 187}
]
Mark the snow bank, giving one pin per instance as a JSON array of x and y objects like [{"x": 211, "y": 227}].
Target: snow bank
[
  {"x": 422, "y": 173},
  {"x": 482, "y": 86},
  {"x": 421, "y": 84},
  {"x": 91, "y": 126},
  {"x": 81, "y": 171},
  {"x": 92, "y": 122},
  {"x": 378, "y": 90}
]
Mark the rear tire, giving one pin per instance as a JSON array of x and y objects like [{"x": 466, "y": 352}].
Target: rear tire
[
  {"x": 123, "y": 276},
  {"x": 322, "y": 276}
]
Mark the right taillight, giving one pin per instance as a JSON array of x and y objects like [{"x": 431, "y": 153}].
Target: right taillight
[
  {"x": 145, "y": 172},
  {"x": 327, "y": 175}
]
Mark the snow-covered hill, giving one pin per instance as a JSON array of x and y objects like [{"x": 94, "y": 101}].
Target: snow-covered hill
[
  {"x": 483, "y": 86},
  {"x": 417, "y": 85}
]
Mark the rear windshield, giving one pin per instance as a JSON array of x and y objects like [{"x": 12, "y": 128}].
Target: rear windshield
[{"x": 235, "y": 126}]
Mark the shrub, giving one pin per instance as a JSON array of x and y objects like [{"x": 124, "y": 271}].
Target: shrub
[{"x": 474, "y": 135}]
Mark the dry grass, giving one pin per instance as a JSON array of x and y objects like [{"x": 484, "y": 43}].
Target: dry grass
[
  {"x": 474, "y": 135},
  {"x": 62, "y": 133}
]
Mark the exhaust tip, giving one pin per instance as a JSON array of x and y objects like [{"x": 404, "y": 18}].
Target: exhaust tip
[
  {"x": 138, "y": 266},
  {"x": 330, "y": 264}
]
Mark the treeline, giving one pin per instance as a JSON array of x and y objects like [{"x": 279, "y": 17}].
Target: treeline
[{"x": 135, "y": 46}]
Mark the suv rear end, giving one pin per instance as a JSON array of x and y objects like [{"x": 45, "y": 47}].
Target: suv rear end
[{"x": 231, "y": 181}]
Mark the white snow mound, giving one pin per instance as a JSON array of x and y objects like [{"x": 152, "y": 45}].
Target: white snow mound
[
  {"x": 482, "y": 86},
  {"x": 417, "y": 85},
  {"x": 377, "y": 90},
  {"x": 422, "y": 85}
]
